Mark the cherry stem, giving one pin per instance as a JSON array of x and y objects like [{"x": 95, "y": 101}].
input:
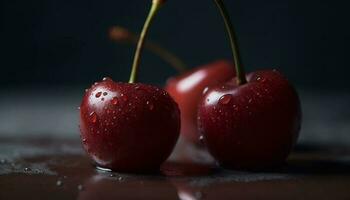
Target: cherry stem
[
  {"x": 156, "y": 4},
  {"x": 241, "y": 79},
  {"x": 122, "y": 35}
]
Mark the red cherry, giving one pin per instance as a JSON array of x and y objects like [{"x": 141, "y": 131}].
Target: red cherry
[
  {"x": 254, "y": 125},
  {"x": 187, "y": 91},
  {"x": 128, "y": 127},
  {"x": 253, "y": 121}
]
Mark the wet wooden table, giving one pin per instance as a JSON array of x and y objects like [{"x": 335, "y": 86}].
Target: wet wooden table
[{"x": 38, "y": 164}]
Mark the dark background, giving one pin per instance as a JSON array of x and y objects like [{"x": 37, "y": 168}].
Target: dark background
[{"x": 59, "y": 43}]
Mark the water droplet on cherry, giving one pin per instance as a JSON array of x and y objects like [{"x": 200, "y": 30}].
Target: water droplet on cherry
[
  {"x": 124, "y": 97},
  {"x": 98, "y": 94},
  {"x": 93, "y": 117},
  {"x": 225, "y": 99},
  {"x": 205, "y": 90},
  {"x": 106, "y": 79},
  {"x": 150, "y": 105}
]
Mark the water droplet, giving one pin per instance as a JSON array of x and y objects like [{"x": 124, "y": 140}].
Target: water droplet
[
  {"x": 111, "y": 175},
  {"x": 59, "y": 183},
  {"x": 84, "y": 140},
  {"x": 250, "y": 100},
  {"x": 115, "y": 101},
  {"x": 124, "y": 97},
  {"x": 105, "y": 94},
  {"x": 80, "y": 187},
  {"x": 205, "y": 90},
  {"x": 27, "y": 169},
  {"x": 95, "y": 83},
  {"x": 225, "y": 99},
  {"x": 98, "y": 94},
  {"x": 93, "y": 117},
  {"x": 106, "y": 79},
  {"x": 120, "y": 178},
  {"x": 201, "y": 138},
  {"x": 78, "y": 108},
  {"x": 86, "y": 90},
  {"x": 258, "y": 79},
  {"x": 150, "y": 105},
  {"x": 114, "y": 117}
]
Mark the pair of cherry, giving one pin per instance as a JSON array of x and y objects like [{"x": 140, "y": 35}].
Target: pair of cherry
[{"x": 247, "y": 121}]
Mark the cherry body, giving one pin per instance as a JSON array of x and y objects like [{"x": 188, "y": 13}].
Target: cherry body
[
  {"x": 187, "y": 91},
  {"x": 251, "y": 126},
  {"x": 128, "y": 127}
]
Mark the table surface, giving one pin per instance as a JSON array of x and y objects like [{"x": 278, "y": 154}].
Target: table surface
[{"x": 41, "y": 158}]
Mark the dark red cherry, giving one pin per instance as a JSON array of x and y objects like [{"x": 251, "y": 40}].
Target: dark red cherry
[
  {"x": 253, "y": 125},
  {"x": 187, "y": 91},
  {"x": 128, "y": 127}
]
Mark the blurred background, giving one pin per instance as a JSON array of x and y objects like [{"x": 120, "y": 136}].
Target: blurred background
[{"x": 52, "y": 50}]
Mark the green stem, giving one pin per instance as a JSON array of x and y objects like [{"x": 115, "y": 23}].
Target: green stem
[
  {"x": 241, "y": 79},
  {"x": 125, "y": 36},
  {"x": 156, "y": 4}
]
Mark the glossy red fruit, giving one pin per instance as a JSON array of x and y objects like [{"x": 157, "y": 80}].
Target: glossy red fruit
[
  {"x": 128, "y": 127},
  {"x": 187, "y": 91},
  {"x": 251, "y": 126}
]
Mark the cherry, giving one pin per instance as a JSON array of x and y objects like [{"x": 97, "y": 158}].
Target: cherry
[
  {"x": 187, "y": 91},
  {"x": 251, "y": 121},
  {"x": 129, "y": 127}
]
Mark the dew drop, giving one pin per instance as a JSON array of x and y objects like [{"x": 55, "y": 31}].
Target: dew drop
[
  {"x": 250, "y": 100},
  {"x": 105, "y": 94},
  {"x": 120, "y": 178},
  {"x": 98, "y": 94},
  {"x": 111, "y": 175},
  {"x": 84, "y": 140},
  {"x": 106, "y": 79},
  {"x": 258, "y": 79},
  {"x": 27, "y": 169},
  {"x": 93, "y": 117},
  {"x": 205, "y": 90},
  {"x": 201, "y": 139},
  {"x": 124, "y": 97},
  {"x": 225, "y": 99},
  {"x": 150, "y": 105},
  {"x": 59, "y": 183},
  {"x": 115, "y": 101},
  {"x": 86, "y": 90}
]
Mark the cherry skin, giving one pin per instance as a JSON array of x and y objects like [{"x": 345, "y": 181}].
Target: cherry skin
[
  {"x": 187, "y": 91},
  {"x": 128, "y": 127},
  {"x": 251, "y": 126}
]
